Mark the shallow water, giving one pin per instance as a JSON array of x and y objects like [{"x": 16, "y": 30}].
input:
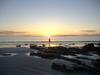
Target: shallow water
[
  {"x": 7, "y": 44},
  {"x": 23, "y": 64}
]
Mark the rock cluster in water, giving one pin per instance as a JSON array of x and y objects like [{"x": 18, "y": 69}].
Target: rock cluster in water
[{"x": 86, "y": 58}]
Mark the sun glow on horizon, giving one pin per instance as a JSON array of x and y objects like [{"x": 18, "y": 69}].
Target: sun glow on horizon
[
  {"x": 48, "y": 27},
  {"x": 49, "y": 31}
]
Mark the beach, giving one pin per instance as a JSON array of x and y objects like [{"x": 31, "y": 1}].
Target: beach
[
  {"x": 20, "y": 63},
  {"x": 49, "y": 37}
]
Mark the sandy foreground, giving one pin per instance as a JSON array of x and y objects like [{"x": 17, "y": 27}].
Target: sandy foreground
[{"x": 22, "y": 64}]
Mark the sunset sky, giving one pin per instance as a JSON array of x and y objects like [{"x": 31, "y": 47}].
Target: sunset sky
[{"x": 49, "y": 17}]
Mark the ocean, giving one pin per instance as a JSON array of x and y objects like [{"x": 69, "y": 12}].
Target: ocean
[{"x": 60, "y": 40}]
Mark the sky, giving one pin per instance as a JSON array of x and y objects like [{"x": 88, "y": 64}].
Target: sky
[{"x": 49, "y": 17}]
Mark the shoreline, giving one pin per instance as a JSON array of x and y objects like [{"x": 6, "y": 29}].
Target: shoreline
[{"x": 53, "y": 43}]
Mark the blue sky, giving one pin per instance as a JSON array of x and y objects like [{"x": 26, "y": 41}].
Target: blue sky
[{"x": 62, "y": 17}]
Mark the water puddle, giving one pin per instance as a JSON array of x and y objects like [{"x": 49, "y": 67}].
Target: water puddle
[{"x": 7, "y": 54}]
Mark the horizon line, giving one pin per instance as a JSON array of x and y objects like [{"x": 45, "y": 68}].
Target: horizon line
[{"x": 51, "y": 35}]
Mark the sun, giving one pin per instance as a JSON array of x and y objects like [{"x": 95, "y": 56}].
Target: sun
[{"x": 49, "y": 31}]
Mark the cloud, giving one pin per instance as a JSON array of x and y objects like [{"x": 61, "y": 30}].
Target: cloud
[
  {"x": 15, "y": 33},
  {"x": 88, "y": 31},
  {"x": 7, "y": 33}
]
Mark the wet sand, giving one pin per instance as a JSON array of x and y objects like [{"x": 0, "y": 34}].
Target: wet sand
[{"x": 22, "y": 64}]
